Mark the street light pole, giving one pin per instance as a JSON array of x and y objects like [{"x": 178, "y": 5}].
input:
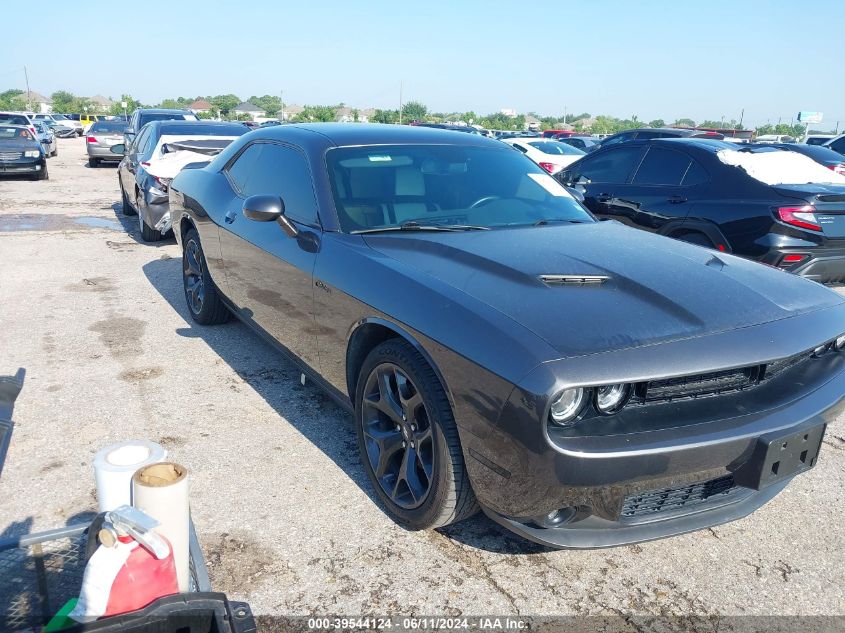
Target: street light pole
[
  {"x": 400, "y": 103},
  {"x": 28, "y": 93}
]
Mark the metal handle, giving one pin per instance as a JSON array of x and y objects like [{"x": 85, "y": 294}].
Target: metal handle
[{"x": 230, "y": 217}]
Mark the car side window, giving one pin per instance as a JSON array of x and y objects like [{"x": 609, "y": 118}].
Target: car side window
[
  {"x": 139, "y": 141},
  {"x": 521, "y": 148},
  {"x": 240, "y": 171},
  {"x": 613, "y": 166},
  {"x": 662, "y": 167},
  {"x": 273, "y": 169},
  {"x": 696, "y": 175},
  {"x": 838, "y": 146}
]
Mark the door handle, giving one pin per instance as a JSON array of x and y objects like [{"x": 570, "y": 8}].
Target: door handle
[
  {"x": 604, "y": 197},
  {"x": 676, "y": 199},
  {"x": 230, "y": 217}
]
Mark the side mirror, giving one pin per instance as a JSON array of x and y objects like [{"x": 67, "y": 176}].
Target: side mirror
[
  {"x": 269, "y": 209},
  {"x": 120, "y": 148}
]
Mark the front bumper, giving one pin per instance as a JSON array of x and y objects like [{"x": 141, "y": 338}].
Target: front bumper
[
  {"x": 20, "y": 167},
  {"x": 599, "y": 476},
  {"x": 156, "y": 210}
]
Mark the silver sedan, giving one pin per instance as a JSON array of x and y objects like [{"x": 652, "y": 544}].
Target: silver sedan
[
  {"x": 46, "y": 138},
  {"x": 99, "y": 140}
]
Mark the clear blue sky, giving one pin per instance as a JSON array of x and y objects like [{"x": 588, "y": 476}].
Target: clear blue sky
[{"x": 669, "y": 59}]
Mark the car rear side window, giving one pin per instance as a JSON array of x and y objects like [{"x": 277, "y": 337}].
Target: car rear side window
[
  {"x": 696, "y": 175},
  {"x": 662, "y": 167},
  {"x": 613, "y": 166},
  {"x": 273, "y": 169},
  {"x": 838, "y": 145}
]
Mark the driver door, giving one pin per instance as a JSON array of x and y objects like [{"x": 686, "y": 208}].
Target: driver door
[{"x": 268, "y": 274}]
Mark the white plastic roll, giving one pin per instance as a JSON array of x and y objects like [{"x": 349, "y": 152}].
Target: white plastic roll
[
  {"x": 114, "y": 466},
  {"x": 161, "y": 490}
]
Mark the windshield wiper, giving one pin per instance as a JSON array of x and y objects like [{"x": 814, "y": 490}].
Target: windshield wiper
[
  {"x": 550, "y": 220},
  {"x": 416, "y": 226}
]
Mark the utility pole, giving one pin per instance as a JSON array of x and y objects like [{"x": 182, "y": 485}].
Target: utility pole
[
  {"x": 28, "y": 93},
  {"x": 564, "y": 115},
  {"x": 400, "y": 103},
  {"x": 741, "y": 117}
]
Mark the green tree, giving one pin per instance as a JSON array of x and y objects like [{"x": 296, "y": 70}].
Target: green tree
[
  {"x": 271, "y": 104},
  {"x": 385, "y": 116},
  {"x": 320, "y": 114},
  {"x": 131, "y": 105},
  {"x": 657, "y": 123},
  {"x": 225, "y": 103},
  {"x": 413, "y": 111},
  {"x": 577, "y": 117},
  {"x": 63, "y": 101},
  {"x": 12, "y": 99},
  {"x": 684, "y": 122}
]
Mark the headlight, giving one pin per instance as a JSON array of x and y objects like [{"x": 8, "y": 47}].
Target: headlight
[
  {"x": 32, "y": 153},
  {"x": 611, "y": 398},
  {"x": 840, "y": 343},
  {"x": 566, "y": 406}
]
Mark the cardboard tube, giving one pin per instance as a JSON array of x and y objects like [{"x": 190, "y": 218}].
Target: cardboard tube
[
  {"x": 161, "y": 490},
  {"x": 114, "y": 466}
]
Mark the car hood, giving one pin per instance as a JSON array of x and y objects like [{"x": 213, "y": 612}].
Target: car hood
[{"x": 657, "y": 289}]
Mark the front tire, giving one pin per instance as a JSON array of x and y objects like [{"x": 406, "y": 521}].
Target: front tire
[
  {"x": 408, "y": 440},
  {"x": 204, "y": 302},
  {"x": 43, "y": 174}
]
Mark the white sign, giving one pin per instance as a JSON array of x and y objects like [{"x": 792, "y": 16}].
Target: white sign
[
  {"x": 810, "y": 117},
  {"x": 122, "y": 104}
]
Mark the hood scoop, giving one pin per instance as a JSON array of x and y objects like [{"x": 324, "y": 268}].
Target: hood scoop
[{"x": 573, "y": 280}]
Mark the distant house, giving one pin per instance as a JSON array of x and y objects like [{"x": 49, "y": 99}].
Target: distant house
[
  {"x": 288, "y": 113},
  {"x": 201, "y": 106},
  {"x": 251, "y": 109},
  {"x": 101, "y": 103},
  {"x": 344, "y": 115},
  {"x": 366, "y": 114},
  {"x": 37, "y": 102},
  {"x": 508, "y": 111}
]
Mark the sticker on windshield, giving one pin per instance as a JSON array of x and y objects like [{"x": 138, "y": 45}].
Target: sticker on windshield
[
  {"x": 550, "y": 184},
  {"x": 379, "y": 158}
]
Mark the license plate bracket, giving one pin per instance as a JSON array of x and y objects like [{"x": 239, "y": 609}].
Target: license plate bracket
[{"x": 780, "y": 455}]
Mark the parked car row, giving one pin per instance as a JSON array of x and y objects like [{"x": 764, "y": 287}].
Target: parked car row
[{"x": 583, "y": 382}]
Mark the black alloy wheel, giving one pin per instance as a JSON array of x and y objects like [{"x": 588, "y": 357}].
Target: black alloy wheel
[
  {"x": 204, "y": 303},
  {"x": 397, "y": 436},
  {"x": 408, "y": 439}
]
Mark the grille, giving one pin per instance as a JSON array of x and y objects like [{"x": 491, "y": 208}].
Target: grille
[
  {"x": 10, "y": 155},
  {"x": 669, "y": 499},
  {"x": 713, "y": 383}
]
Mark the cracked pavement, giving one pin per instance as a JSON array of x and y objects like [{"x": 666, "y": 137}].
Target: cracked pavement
[{"x": 284, "y": 512}]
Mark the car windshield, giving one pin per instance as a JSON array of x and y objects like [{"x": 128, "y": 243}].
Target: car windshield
[
  {"x": 204, "y": 129},
  {"x": 9, "y": 132},
  {"x": 444, "y": 185},
  {"x": 108, "y": 126},
  {"x": 60, "y": 117},
  {"x": 556, "y": 147}
]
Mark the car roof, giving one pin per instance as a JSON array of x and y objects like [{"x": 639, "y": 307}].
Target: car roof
[
  {"x": 165, "y": 110},
  {"x": 346, "y": 134},
  {"x": 182, "y": 122}
]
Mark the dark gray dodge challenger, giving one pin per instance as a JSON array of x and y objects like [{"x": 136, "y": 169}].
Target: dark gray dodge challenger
[{"x": 583, "y": 383}]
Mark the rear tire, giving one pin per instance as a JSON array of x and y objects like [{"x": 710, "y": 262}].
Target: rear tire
[
  {"x": 124, "y": 200},
  {"x": 403, "y": 416},
  {"x": 148, "y": 233},
  {"x": 93, "y": 162},
  {"x": 204, "y": 302}
]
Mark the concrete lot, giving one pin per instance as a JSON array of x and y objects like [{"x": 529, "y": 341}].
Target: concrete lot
[{"x": 285, "y": 514}]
